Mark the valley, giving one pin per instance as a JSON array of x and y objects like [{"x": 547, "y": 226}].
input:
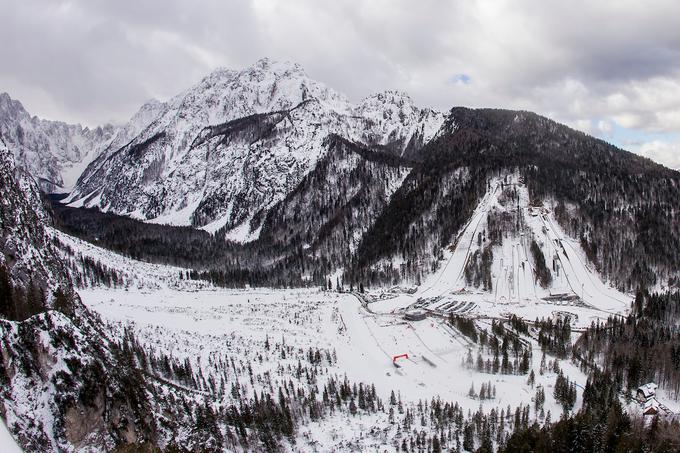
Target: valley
[
  {"x": 203, "y": 325},
  {"x": 259, "y": 264},
  {"x": 194, "y": 322}
]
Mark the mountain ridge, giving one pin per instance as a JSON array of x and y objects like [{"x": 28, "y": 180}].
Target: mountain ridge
[
  {"x": 56, "y": 153},
  {"x": 178, "y": 183},
  {"x": 252, "y": 151}
]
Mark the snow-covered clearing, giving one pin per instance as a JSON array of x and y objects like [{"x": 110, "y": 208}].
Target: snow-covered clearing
[{"x": 205, "y": 324}]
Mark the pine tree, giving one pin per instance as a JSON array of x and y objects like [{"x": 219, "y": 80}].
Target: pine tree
[
  {"x": 6, "y": 295},
  {"x": 61, "y": 302},
  {"x": 468, "y": 437},
  {"x": 471, "y": 392},
  {"x": 352, "y": 407}
]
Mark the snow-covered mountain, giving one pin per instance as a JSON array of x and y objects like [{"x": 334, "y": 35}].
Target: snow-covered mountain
[
  {"x": 501, "y": 217},
  {"x": 56, "y": 153},
  {"x": 237, "y": 143}
]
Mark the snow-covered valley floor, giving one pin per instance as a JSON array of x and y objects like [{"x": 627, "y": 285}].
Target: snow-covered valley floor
[
  {"x": 206, "y": 325},
  {"x": 200, "y": 324}
]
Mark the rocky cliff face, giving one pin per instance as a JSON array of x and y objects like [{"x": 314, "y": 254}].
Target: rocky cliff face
[
  {"x": 56, "y": 153},
  {"x": 64, "y": 383},
  {"x": 237, "y": 143},
  {"x": 66, "y": 387},
  {"x": 25, "y": 251}
]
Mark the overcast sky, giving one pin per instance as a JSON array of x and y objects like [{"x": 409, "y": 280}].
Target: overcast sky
[{"x": 610, "y": 68}]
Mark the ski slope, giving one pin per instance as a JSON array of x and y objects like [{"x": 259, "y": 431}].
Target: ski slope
[{"x": 575, "y": 287}]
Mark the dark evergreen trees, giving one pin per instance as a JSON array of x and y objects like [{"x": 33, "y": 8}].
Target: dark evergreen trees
[{"x": 543, "y": 275}]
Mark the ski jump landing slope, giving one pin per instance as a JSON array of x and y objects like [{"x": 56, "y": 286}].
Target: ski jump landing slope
[{"x": 576, "y": 286}]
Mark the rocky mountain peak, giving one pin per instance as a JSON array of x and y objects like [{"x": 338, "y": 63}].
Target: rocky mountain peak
[
  {"x": 53, "y": 152},
  {"x": 11, "y": 108},
  {"x": 267, "y": 64},
  {"x": 396, "y": 97}
]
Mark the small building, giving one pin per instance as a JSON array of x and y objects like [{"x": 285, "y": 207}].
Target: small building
[
  {"x": 650, "y": 407},
  {"x": 415, "y": 315},
  {"x": 646, "y": 392}
]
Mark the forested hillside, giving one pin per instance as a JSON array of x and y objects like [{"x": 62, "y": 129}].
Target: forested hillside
[
  {"x": 619, "y": 355},
  {"x": 623, "y": 207},
  {"x": 31, "y": 274}
]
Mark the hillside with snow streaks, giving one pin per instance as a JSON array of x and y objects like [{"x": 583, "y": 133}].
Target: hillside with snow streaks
[
  {"x": 238, "y": 142},
  {"x": 129, "y": 273},
  {"x": 512, "y": 257}
]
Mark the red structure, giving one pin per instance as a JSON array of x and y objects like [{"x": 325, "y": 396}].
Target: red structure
[{"x": 400, "y": 356}]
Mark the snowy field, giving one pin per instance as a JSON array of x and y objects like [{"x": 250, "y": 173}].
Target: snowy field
[{"x": 204, "y": 324}]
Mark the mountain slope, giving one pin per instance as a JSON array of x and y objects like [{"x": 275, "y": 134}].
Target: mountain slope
[
  {"x": 385, "y": 218},
  {"x": 324, "y": 218},
  {"x": 237, "y": 143},
  {"x": 64, "y": 384},
  {"x": 31, "y": 270},
  {"x": 622, "y": 208}
]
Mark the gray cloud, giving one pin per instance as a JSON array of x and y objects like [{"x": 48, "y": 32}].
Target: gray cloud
[
  {"x": 667, "y": 153},
  {"x": 581, "y": 62}
]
